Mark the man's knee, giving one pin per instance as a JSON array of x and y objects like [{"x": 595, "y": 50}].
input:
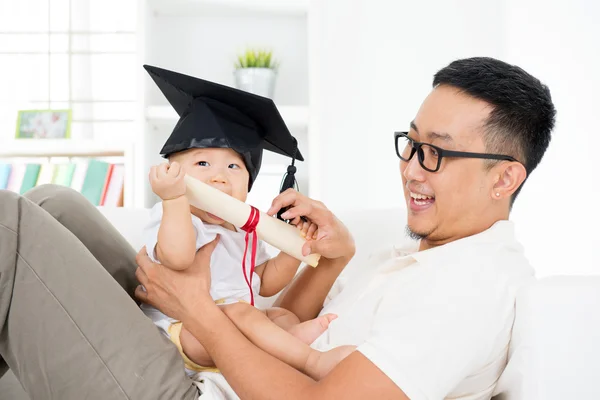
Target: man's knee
[
  {"x": 10, "y": 209},
  {"x": 55, "y": 198}
]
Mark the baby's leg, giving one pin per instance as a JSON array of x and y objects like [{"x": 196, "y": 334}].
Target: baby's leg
[
  {"x": 261, "y": 331},
  {"x": 307, "y": 331},
  {"x": 321, "y": 363},
  {"x": 194, "y": 350},
  {"x": 283, "y": 318}
]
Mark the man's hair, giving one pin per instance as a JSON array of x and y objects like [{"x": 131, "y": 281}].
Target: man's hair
[{"x": 523, "y": 114}]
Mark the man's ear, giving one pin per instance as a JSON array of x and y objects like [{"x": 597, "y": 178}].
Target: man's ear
[{"x": 509, "y": 177}]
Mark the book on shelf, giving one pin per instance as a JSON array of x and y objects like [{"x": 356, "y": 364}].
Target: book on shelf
[
  {"x": 46, "y": 175},
  {"x": 101, "y": 182},
  {"x": 32, "y": 172},
  {"x": 64, "y": 174},
  {"x": 15, "y": 180},
  {"x": 5, "y": 170}
]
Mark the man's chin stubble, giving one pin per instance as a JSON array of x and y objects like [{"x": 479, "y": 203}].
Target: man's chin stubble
[{"x": 415, "y": 235}]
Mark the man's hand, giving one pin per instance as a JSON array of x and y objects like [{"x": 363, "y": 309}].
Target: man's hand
[
  {"x": 175, "y": 293},
  {"x": 333, "y": 238},
  {"x": 167, "y": 180},
  {"x": 308, "y": 230}
]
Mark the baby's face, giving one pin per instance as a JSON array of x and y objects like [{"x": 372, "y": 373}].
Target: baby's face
[{"x": 221, "y": 168}]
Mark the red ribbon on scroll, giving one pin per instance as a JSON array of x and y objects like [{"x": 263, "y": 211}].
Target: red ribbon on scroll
[{"x": 250, "y": 229}]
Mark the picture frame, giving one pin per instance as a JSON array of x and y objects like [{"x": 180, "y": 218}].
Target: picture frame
[{"x": 43, "y": 124}]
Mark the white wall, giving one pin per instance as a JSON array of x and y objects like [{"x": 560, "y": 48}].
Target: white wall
[
  {"x": 373, "y": 67},
  {"x": 206, "y": 45},
  {"x": 557, "y": 213},
  {"x": 374, "y": 64}
]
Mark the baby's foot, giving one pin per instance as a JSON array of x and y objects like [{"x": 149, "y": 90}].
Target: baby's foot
[
  {"x": 310, "y": 330},
  {"x": 319, "y": 364}
]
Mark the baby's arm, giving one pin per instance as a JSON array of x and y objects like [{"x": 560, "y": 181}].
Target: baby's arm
[
  {"x": 176, "y": 242},
  {"x": 176, "y": 246},
  {"x": 276, "y": 273}
]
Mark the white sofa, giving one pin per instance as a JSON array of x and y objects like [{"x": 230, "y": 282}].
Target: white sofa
[{"x": 555, "y": 351}]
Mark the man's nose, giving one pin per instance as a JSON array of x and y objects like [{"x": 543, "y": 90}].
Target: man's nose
[{"x": 413, "y": 170}]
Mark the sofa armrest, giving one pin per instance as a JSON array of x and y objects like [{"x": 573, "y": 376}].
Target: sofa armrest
[{"x": 555, "y": 347}]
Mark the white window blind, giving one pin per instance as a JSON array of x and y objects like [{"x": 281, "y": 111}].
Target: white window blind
[{"x": 76, "y": 54}]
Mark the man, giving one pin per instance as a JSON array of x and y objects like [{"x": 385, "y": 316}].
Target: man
[{"x": 431, "y": 322}]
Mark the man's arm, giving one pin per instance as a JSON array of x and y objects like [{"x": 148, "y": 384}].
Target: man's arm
[
  {"x": 307, "y": 292},
  {"x": 356, "y": 377},
  {"x": 176, "y": 246}
]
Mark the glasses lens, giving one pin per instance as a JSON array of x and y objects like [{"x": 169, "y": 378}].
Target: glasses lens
[
  {"x": 403, "y": 147},
  {"x": 429, "y": 157}
]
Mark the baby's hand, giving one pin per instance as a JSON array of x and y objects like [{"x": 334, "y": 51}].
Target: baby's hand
[
  {"x": 309, "y": 230},
  {"x": 167, "y": 180}
]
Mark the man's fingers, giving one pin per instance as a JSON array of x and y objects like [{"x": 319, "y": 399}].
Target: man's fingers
[
  {"x": 283, "y": 200},
  {"x": 142, "y": 260},
  {"x": 307, "y": 248},
  {"x": 141, "y": 276},
  {"x": 206, "y": 251},
  {"x": 296, "y": 221},
  {"x": 297, "y": 211},
  {"x": 141, "y": 294},
  {"x": 305, "y": 227},
  {"x": 311, "y": 230},
  {"x": 141, "y": 253}
]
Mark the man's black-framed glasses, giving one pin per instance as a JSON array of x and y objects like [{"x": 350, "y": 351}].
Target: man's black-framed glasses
[{"x": 430, "y": 156}]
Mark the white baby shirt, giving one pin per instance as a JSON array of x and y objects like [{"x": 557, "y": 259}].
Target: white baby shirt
[{"x": 228, "y": 284}]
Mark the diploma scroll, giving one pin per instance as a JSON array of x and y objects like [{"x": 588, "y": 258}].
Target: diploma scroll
[{"x": 277, "y": 233}]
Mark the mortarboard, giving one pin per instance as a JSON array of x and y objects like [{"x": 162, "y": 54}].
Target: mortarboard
[{"x": 215, "y": 115}]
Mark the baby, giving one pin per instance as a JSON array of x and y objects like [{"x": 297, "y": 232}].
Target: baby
[
  {"x": 173, "y": 237},
  {"x": 219, "y": 140}
]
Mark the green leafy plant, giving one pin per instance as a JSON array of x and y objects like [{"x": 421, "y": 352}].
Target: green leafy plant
[{"x": 256, "y": 59}]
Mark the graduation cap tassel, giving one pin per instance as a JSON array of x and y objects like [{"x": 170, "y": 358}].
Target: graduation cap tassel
[{"x": 289, "y": 179}]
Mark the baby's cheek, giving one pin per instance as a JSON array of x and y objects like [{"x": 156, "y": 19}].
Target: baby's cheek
[{"x": 241, "y": 195}]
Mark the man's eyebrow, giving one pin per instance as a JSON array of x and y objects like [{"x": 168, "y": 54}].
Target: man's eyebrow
[
  {"x": 413, "y": 126},
  {"x": 433, "y": 135},
  {"x": 441, "y": 136}
]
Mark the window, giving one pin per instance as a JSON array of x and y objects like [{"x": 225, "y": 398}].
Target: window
[{"x": 77, "y": 54}]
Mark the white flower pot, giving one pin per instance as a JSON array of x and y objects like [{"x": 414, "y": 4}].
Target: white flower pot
[{"x": 260, "y": 81}]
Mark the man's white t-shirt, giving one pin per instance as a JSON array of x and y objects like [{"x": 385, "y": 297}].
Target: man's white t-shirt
[{"x": 436, "y": 322}]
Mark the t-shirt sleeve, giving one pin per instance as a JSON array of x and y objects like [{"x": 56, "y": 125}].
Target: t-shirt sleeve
[
  {"x": 203, "y": 236},
  {"x": 151, "y": 231},
  {"x": 262, "y": 253},
  {"x": 428, "y": 344}
]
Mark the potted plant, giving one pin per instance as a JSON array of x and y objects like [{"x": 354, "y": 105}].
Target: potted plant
[{"x": 255, "y": 72}]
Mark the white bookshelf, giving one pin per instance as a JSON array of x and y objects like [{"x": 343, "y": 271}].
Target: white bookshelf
[{"x": 61, "y": 148}]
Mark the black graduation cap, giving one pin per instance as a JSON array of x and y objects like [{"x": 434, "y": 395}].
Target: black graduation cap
[{"x": 214, "y": 115}]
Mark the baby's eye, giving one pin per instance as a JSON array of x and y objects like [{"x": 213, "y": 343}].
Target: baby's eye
[
  {"x": 234, "y": 166},
  {"x": 203, "y": 163}
]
